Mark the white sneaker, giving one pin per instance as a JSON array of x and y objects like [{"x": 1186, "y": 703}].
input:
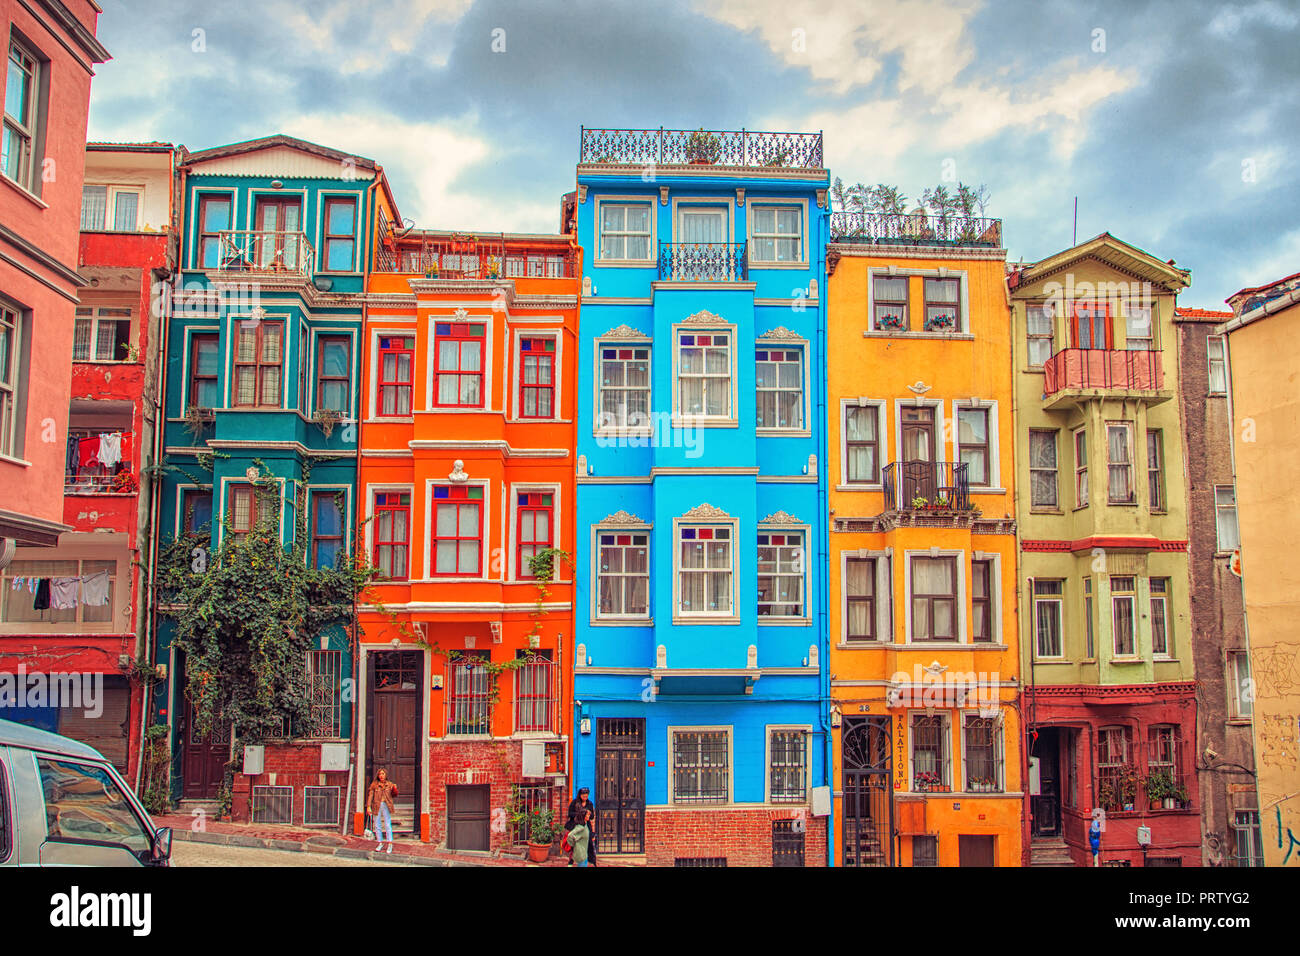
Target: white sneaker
[
  {"x": 390, "y": 848},
  {"x": 380, "y": 848}
]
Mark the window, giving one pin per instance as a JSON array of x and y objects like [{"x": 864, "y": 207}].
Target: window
[
  {"x": 862, "y": 444},
  {"x": 460, "y": 348},
  {"x": 214, "y": 218},
  {"x": 779, "y": 381},
  {"x": 704, "y": 374},
  {"x": 981, "y": 589},
  {"x": 123, "y": 201},
  {"x": 196, "y": 510},
  {"x": 83, "y": 803},
  {"x": 942, "y": 305},
  {"x": 537, "y": 377},
  {"x": 1216, "y": 354},
  {"x": 1250, "y": 841},
  {"x": 788, "y": 766},
  {"x": 1115, "y": 786},
  {"x": 396, "y": 371},
  {"x": 333, "y": 363},
  {"x": 326, "y": 528},
  {"x": 1123, "y": 605},
  {"x": 534, "y": 692},
  {"x": 279, "y": 234},
  {"x": 1090, "y": 323},
  {"x": 625, "y": 231},
  {"x": 983, "y": 754},
  {"x": 11, "y": 386},
  {"x": 925, "y": 851},
  {"x": 1048, "y": 595},
  {"x": 101, "y": 335},
  {"x": 536, "y": 514},
  {"x": 1161, "y": 646},
  {"x": 248, "y": 510},
  {"x": 17, "y": 604},
  {"x": 776, "y": 234},
  {"x": 704, "y": 574},
  {"x": 458, "y": 528},
  {"x": 889, "y": 303},
  {"x": 860, "y": 593},
  {"x": 930, "y": 753},
  {"x": 1119, "y": 463},
  {"x": 1081, "y": 468},
  {"x": 934, "y": 599},
  {"x": 1089, "y": 636},
  {"x": 1162, "y": 761},
  {"x": 340, "y": 234},
  {"x": 623, "y": 578},
  {"x": 1241, "y": 689},
  {"x": 701, "y": 766},
  {"x": 1225, "y": 517},
  {"x": 392, "y": 517},
  {"x": 204, "y": 359},
  {"x": 1042, "y": 468},
  {"x": 259, "y": 364},
  {"x": 780, "y": 574},
  {"x": 1139, "y": 330},
  {"x": 324, "y": 681},
  {"x": 1041, "y": 330},
  {"x": 973, "y": 445},
  {"x": 21, "y": 115},
  {"x": 469, "y": 694},
  {"x": 1155, "y": 469},
  {"x": 624, "y": 387}
]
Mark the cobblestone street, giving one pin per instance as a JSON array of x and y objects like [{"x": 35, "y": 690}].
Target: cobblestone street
[{"x": 210, "y": 854}]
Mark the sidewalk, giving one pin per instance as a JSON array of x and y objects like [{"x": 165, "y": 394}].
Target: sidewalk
[{"x": 313, "y": 840}]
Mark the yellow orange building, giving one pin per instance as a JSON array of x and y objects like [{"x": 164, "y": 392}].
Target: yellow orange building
[{"x": 923, "y": 638}]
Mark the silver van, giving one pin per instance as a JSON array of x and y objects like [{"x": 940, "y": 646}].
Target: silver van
[{"x": 63, "y": 804}]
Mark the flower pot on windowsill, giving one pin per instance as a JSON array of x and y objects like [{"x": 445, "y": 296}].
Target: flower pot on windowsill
[
  {"x": 1170, "y": 803},
  {"x": 534, "y": 641}
]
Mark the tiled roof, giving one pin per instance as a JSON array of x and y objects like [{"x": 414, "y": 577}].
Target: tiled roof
[{"x": 1202, "y": 313}]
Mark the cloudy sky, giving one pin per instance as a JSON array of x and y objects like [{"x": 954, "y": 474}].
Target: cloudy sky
[{"x": 1172, "y": 121}]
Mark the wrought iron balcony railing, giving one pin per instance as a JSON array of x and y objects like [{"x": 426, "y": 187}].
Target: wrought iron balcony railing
[
  {"x": 476, "y": 257},
  {"x": 1120, "y": 369},
  {"x": 915, "y": 229},
  {"x": 926, "y": 486},
  {"x": 703, "y": 261},
  {"x": 683, "y": 147},
  {"x": 259, "y": 251}
]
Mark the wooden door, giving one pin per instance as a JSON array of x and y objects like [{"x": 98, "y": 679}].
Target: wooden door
[
  {"x": 620, "y": 784},
  {"x": 203, "y": 757},
  {"x": 467, "y": 818},
  {"x": 1047, "y": 804},
  {"x": 280, "y": 222},
  {"x": 393, "y": 744},
  {"x": 976, "y": 851},
  {"x": 917, "y": 454}
]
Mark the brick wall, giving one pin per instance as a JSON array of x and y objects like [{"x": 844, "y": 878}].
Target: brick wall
[
  {"x": 497, "y": 764},
  {"x": 742, "y": 836},
  {"x": 295, "y": 764}
]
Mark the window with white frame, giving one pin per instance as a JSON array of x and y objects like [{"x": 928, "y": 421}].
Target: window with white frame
[
  {"x": 458, "y": 530},
  {"x": 701, "y": 766},
  {"x": 101, "y": 334},
  {"x": 537, "y": 376},
  {"x": 1155, "y": 469},
  {"x": 934, "y": 598},
  {"x": 1048, "y": 597},
  {"x": 982, "y": 740},
  {"x": 623, "y": 573},
  {"x": 974, "y": 445},
  {"x": 1081, "y": 468},
  {"x": 1139, "y": 330},
  {"x": 1161, "y": 640},
  {"x": 1089, "y": 636},
  {"x": 778, "y": 379},
  {"x": 787, "y": 766},
  {"x": 889, "y": 303},
  {"x": 1119, "y": 463},
  {"x": 776, "y": 233},
  {"x": 706, "y": 558},
  {"x": 930, "y": 753},
  {"x": 1225, "y": 518},
  {"x": 780, "y": 574},
  {"x": 1042, "y": 468},
  {"x": 1241, "y": 688},
  {"x": 92, "y": 584},
  {"x": 624, "y": 386},
  {"x": 1041, "y": 329},
  {"x": 704, "y": 374},
  {"x": 942, "y": 305},
  {"x": 861, "y": 444},
  {"x": 13, "y": 375},
  {"x": 18, "y": 154},
  {"x": 1217, "y": 359},
  {"x": 860, "y": 599},
  {"x": 1123, "y": 601},
  {"x": 625, "y": 231},
  {"x": 1250, "y": 840},
  {"x": 110, "y": 208}
]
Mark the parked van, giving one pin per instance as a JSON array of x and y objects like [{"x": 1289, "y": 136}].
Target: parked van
[{"x": 63, "y": 804}]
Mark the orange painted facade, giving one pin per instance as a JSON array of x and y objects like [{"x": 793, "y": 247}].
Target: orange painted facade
[{"x": 466, "y": 468}]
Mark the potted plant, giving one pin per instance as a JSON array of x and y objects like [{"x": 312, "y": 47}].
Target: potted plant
[
  {"x": 431, "y": 270},
  {"x": 326, "y": 419},
  {"x": 926, "y": 781},
  {"x": 946, "y": 322},
  {"x": 1159, "y": 786},
  {"x": 541, "y": 834},
  {"x": 779, "y": 158},
  {"x": 920, "y": 502},
  {"x": 1178, "y": 797},
  {"x": 1128, "y": 786},
  {"x": 942, "y": 502},
  {"x": 702, "y": 148},
  {"x": 196, "y": 419},
  {"x": 890, "y": 322}
]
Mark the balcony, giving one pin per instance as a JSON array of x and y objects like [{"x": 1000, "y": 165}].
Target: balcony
[
  {"x": 939, "y": 487},
  {"x": 1073, "y": 376},
  {"x": 259, "y": 252},
  {"x": 477, "y": 257},
  {"x": 703, "y": 262},
  {"x": 685, "y": 147},
  {"x": 902, "y": 229},
  {"x": 84, "y": 474}
]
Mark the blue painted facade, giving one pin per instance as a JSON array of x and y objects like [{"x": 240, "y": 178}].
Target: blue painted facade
[
  {"x": 239, "y": 278},
  {"x": 705, "y": 293}
]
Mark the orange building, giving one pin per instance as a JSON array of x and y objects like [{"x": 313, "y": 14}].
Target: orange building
[{"x": 466, "y": 475}]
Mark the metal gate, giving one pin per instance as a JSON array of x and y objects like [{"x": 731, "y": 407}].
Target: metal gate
[
  {"x": 787, "y": 843},
  {"x": 620, "y": 784},
  {"x": 868, "y": 792}
]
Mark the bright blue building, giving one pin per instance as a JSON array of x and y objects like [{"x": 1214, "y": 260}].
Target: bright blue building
[
  {"x": 701, "y": 619},
  {"x": 262, "y": 373}
]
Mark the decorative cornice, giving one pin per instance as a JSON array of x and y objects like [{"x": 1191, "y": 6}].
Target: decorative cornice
[
  {"x": 780, "y": 517},
  {"x": 706, "y": 510},
  {"x": 703, "y": 317},
  {"x": 782, "y": 333},
  {"x": 919, "y": 387},
  {"x": 621, "y": 518},
  {"x": 1109, "y": 542},
  {"x": 624, "y": 331}
]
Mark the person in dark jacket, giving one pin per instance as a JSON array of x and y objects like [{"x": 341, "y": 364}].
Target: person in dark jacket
[{"x": 580, "y": 804}]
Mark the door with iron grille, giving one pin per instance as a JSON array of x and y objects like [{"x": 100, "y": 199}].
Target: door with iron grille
[
  {"x": 620, "y": 784},
  {"x": 868, "y": 795},
  {"x": 787, "y": 842}
]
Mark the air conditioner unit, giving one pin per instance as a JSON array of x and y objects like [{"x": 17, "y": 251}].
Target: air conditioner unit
[
  {"x": 333, "y": 757},
  {"x": 534, "y": 758},
  {"x": 821, "y": 801}
]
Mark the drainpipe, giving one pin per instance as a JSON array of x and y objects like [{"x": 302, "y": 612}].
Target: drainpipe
[{"x": 823, "y": 519}]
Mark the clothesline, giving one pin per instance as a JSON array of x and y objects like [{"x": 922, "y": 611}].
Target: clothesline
[{"x": 64, "y": 593}]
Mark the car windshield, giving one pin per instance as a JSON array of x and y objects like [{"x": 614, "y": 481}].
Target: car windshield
[{"x": 83, "y": 802}]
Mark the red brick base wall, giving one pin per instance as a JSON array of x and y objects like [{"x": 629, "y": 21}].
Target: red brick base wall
[
  {"x": 497, "y": 764},
  {"x": 294, "y": 765},
  {"x": 742, "y": 837}
]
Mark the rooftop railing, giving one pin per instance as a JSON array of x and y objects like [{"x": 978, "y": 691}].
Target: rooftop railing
[
  {"x": 685, "y": 147},
  {"x": 915, "y": 229},
  {"x": 476, "y": 257}
]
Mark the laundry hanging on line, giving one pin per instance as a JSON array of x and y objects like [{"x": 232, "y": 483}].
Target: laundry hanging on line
[
  {"x": 94, "y": 589},
  {"x": 63, "y": 593}
]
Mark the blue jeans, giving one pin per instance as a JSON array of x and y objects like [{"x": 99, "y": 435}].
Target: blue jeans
[{"x": 384, "y": 822}]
